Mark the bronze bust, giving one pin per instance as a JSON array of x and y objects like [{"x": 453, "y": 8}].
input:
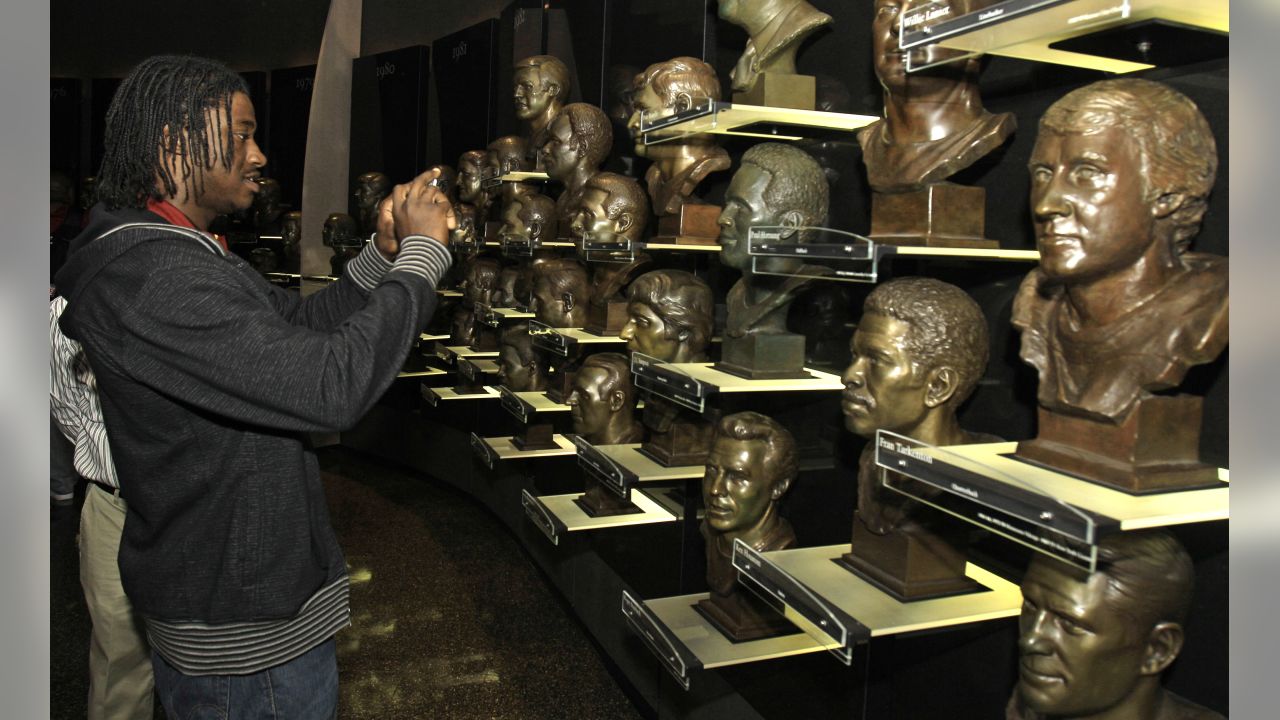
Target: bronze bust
[
  {"x": 934, "y": 126},
  {"x": 1118, "y": 308},
  {"x": 934, "y": 123},
  {"x": 1095, "y": 645},
  {"x": 521, "y": 367},
  {"x": 446, "y": 180},
  {"x": 560, "y": 293},
  {"x": 465, "y": 233},
  {"x": 266, "y": 208},
  {"x": 678, "y": 166},
  {"x": 471, "y": 165},
  {"x": 339, "y": 230},
  {"x": 918, "y": 353},
  {"x": 777, "y": 28},
  {"x": 576, "y": 144},
  {"x": 529, "y": 218},
  {"x": 604, "y": 401},
  {"x": 614, "y": 210},
  {"x": 291, "y": 233},
  {"x": 781, "y": 186},
  {"x": 541, "y": 87},
  {"x": 371, "y": 187},
  {"x": 478, "y": 286},
  {"x": 507, "y": 155},
  {"x": 669, "y": 316},
  {"x": 752, "y": 463}
]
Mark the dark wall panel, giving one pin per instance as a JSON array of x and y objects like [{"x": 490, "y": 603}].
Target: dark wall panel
[{"x": 389, "y": 113}]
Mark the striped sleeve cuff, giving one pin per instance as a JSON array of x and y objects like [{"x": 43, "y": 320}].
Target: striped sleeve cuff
[
  {"x": 423, "y": 256},
  {"x": 367, "y": 268}
]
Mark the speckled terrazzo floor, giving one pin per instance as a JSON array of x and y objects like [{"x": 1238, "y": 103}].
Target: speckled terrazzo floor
[{"x": 450, "y": 619}]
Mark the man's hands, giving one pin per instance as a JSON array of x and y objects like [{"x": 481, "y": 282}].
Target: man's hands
[
  {"x": 384, "y": 235},
  {"x": 420, "y": 208}
]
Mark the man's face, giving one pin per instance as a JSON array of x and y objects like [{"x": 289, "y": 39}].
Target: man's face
[
  {"x": 744, "y": 207},
  {"x": 886, "y": 55},
  {"x": 549, "y": 306},
  {"x": 469, "y": 179},
  {"x": 290, "y": 231},
  {"x": 517, "y": 376},
  {"x": 532, "y": 95},
  {"x": 1087, "y": 202},
  {"x": 369, "y": 192},
  {"x": 1080, "y": 654},
  {"x": 589, "y": 401},
  {"x": 642, "y": 102},
  {"x": 513, "y": 226},
  {"x": 737, "y": 487},
  {"x": 592, "y": 222},
  {"x": 645, "y": 332},
  {"x": 882, "y": 387},
  {"x": 480, "y": 285},
  {"x": 560, "y": 151},
  {"x": 228, "y": 190}
]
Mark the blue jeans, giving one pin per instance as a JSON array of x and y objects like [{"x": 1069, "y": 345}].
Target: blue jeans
[{"x": 305, "y": 688}]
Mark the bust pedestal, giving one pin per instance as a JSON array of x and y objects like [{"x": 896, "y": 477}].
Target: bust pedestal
[
  {"x": 764, "y": 356},
  {"x": 693, "y": 225},
  {"x": 1154, "y": 449},
  {"x": 939, "y": 215},
  {"x": 781, "y": 90}
]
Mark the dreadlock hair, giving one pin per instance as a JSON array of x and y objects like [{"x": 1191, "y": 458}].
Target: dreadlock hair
[{"x": 166, "y": 91}]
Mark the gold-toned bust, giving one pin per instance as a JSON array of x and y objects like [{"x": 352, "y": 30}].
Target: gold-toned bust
[
  {"x": 541, "y": 87},
  {"x": 780, "y": 186},
  {"x": 478, "y": 286},
  {"x": 603, "y": 400},
  {"x": 777, "y": 28},
  {"x": 576, "y": 144},
  {"x": 561, "y": 290},
  {"x": 679, "y": 165},
  {"x": 752, "y": 463},
  {"x": 1119, "y": 309},
  {"x": 1094, "y": 645},
  {"x": 521, "y": 368},
  {"x": 339, "y": 230},
  {"x": 291, "y": 233},
  {"x": 506, "y": 155},
  {"x": 267, "y": 206}
]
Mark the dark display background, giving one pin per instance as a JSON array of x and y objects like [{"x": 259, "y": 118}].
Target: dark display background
[
  {"x": 389, "y": 111},
  {"x": 287, "y": 129}
]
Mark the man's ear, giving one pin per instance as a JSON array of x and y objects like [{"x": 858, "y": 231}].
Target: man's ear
[
  {"x": 617, "y": 400},
  {"x": 568, "y": 301},
  {"x": 535, "y": 229},
  {"x": 552, "y": 88},
  {"x": 1164, "y": 642},
  {"x": 780, "y": 488},
  {"x": 623, "y": 222},
  {"x": 941, "y": 386},
  {"x": 790, "y": 220},
  {"x": 1167, "y": 204},
  {"x": 683, "y": 102}
]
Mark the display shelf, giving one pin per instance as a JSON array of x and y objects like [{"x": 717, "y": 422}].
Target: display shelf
[
  {"x": 497, "y": 316},
  {"x": 492, "y": 450},
  {"x": 1030, "y": 29},
  {"x": 684, "y": 640},
  {"x": 451, "y": 353},
  {"x": 449, "y": 293},
  {"x": 556, "y": 515},
  {"x": 625, "y": 252},
  {"x": 524, "y": 405},
  {"x": 524, "y": 177},
  {"x": 428, "y": 337},
  {"x": 856, "y": 258},
  {"x": 620, "y": 467},
  {"x": 1048, "y": 511},
  {"x": 725, "y": 118},
  {"x": 436, "y": 395},
  {"x": 691, "y": 384},
  {"x": 565, "y": 341},
  {"x": 524, "y": 248},
  {"x": 477, "y": 369},
  {"x": 425, "y": 373},
  {"x": 841, "y": 610}
]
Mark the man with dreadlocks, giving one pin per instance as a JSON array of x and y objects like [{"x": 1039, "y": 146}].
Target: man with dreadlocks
[{"x": 209, "y": 378}]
